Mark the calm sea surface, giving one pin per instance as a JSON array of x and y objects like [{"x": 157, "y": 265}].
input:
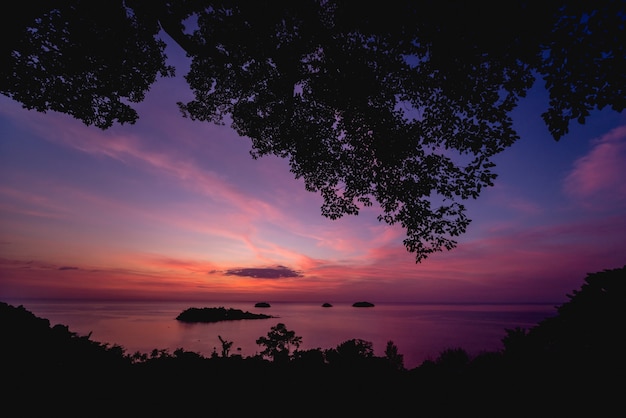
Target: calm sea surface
[{"x": 419, "y": 331}]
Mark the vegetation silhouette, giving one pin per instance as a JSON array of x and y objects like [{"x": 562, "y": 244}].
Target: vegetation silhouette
[
  {"x": 570, "y": 364},
  {"x": 226, "y": 346},
  {"x": 278, "y": 343},
  {"x": 403, "y": 105}
]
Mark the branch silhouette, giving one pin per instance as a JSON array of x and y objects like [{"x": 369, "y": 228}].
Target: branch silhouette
[{"x": 402, "y": 106}]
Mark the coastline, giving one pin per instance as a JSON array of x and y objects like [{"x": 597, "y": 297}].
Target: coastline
[{"x": 420, "y": 331}]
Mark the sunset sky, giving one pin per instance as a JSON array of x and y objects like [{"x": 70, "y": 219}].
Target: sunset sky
[{"x": 169, "y": 208}]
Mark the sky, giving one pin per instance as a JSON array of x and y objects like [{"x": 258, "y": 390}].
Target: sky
[{"x": 174, "y": 209}]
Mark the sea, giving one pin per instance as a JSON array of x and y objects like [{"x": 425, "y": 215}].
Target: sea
[{"x": 419, "y": 331}]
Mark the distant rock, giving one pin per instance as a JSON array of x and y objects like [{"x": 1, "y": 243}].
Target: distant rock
[
  {"x": 363, "y": 304},
  {"x": 327, "y": 305},
  {"x": 262, "y": 305},
  {"x": 217, "y": 315}
]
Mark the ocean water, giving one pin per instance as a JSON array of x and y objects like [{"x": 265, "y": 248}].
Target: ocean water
[{"x": 419, "y": 331}]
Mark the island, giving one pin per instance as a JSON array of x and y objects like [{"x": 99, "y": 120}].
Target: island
[
  {"x": 262, "y": 305},
  {"x": 363, "y": 304},
  {"x": 327, "y": 305},
  {"x": 217, "y": 315}
]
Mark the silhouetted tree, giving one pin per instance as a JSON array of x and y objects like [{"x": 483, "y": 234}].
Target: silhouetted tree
[
  {"x": 278, "y": 343},
  {"x": 453, "y": 359},
  {"x": 226, "y": 345},
  {"x": 403, "y": 105},
  {"x": 393, "y": 356},
  {"x": 577, "y": 353},
  {"x": 350, "y": 352},
  {"x": 139, "y": 357},
  {"x": 310, "y": 358},
  {"x": 159, "y": 353},
  {"x": 515, "y": 342},
  {"x": 589, "y": 329}
]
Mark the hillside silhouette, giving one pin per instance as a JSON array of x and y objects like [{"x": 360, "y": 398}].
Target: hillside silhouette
[{"x": 570, "y": 364}]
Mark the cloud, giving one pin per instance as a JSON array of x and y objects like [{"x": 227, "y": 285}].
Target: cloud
[
  {"x": 161, "y": 156},
  {"x": 278, "y": 272},
  {"x": 68, "y": 268},
  {"x": 31, "y": 204},
  {"x": 26, "y": 265},
  {"x": 41, "y": 279},
  {"x": 179, "y": 157},
  {"x": 598, "y": 177}
]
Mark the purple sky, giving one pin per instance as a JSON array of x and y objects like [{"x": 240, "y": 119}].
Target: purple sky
[{"x": 169, "y": 208}]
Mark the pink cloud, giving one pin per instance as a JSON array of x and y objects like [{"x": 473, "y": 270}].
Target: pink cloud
[
  {"x": 542, "y": 263},
  {"x": 348, "y": 259},
  {"x": 31, "y": 204},
  {"x": 130, "y": 149},
  {"x": 176, "y": 265},
  {"x": 503, "y": 195},
  {"x": 598, "y": 177}
]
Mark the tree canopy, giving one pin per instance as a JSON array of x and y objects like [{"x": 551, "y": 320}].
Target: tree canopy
[
  {"x": 401, "y": 106},
  {"x": 278, "y": 342}
]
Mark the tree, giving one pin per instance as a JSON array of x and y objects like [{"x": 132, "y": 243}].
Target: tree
[
  {"x": 453, "y": 359},
  {"x": 83, "y": 58},
  {"x": 393, "y": 356},
  {"x": 402, "y": 106},
  {"x": 588, "y": 329},
  {"x": 278, "y": 343},
  {"x": 350, "y": 352},
  {"x": 226, "y": 345}
]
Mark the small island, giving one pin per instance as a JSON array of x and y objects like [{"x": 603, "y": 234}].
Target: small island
[
  {"x": 262, "y": 305},
  {"x": 363, "y": 304},
  {"x": 327, "y": 305},
  {"x": 217, "y": 315}
]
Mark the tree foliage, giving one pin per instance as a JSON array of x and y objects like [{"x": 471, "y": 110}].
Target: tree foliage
[
  {"x": 226, "y": 346},
  {"x": 392, "y": 354},
  {"x": 87, "y": 59},
  {"x": 401, "y": 106},
  {"x": 590, "y": 325},
  {"x": 350, "y": 352},
  {"x": 278, "y": 343}
]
